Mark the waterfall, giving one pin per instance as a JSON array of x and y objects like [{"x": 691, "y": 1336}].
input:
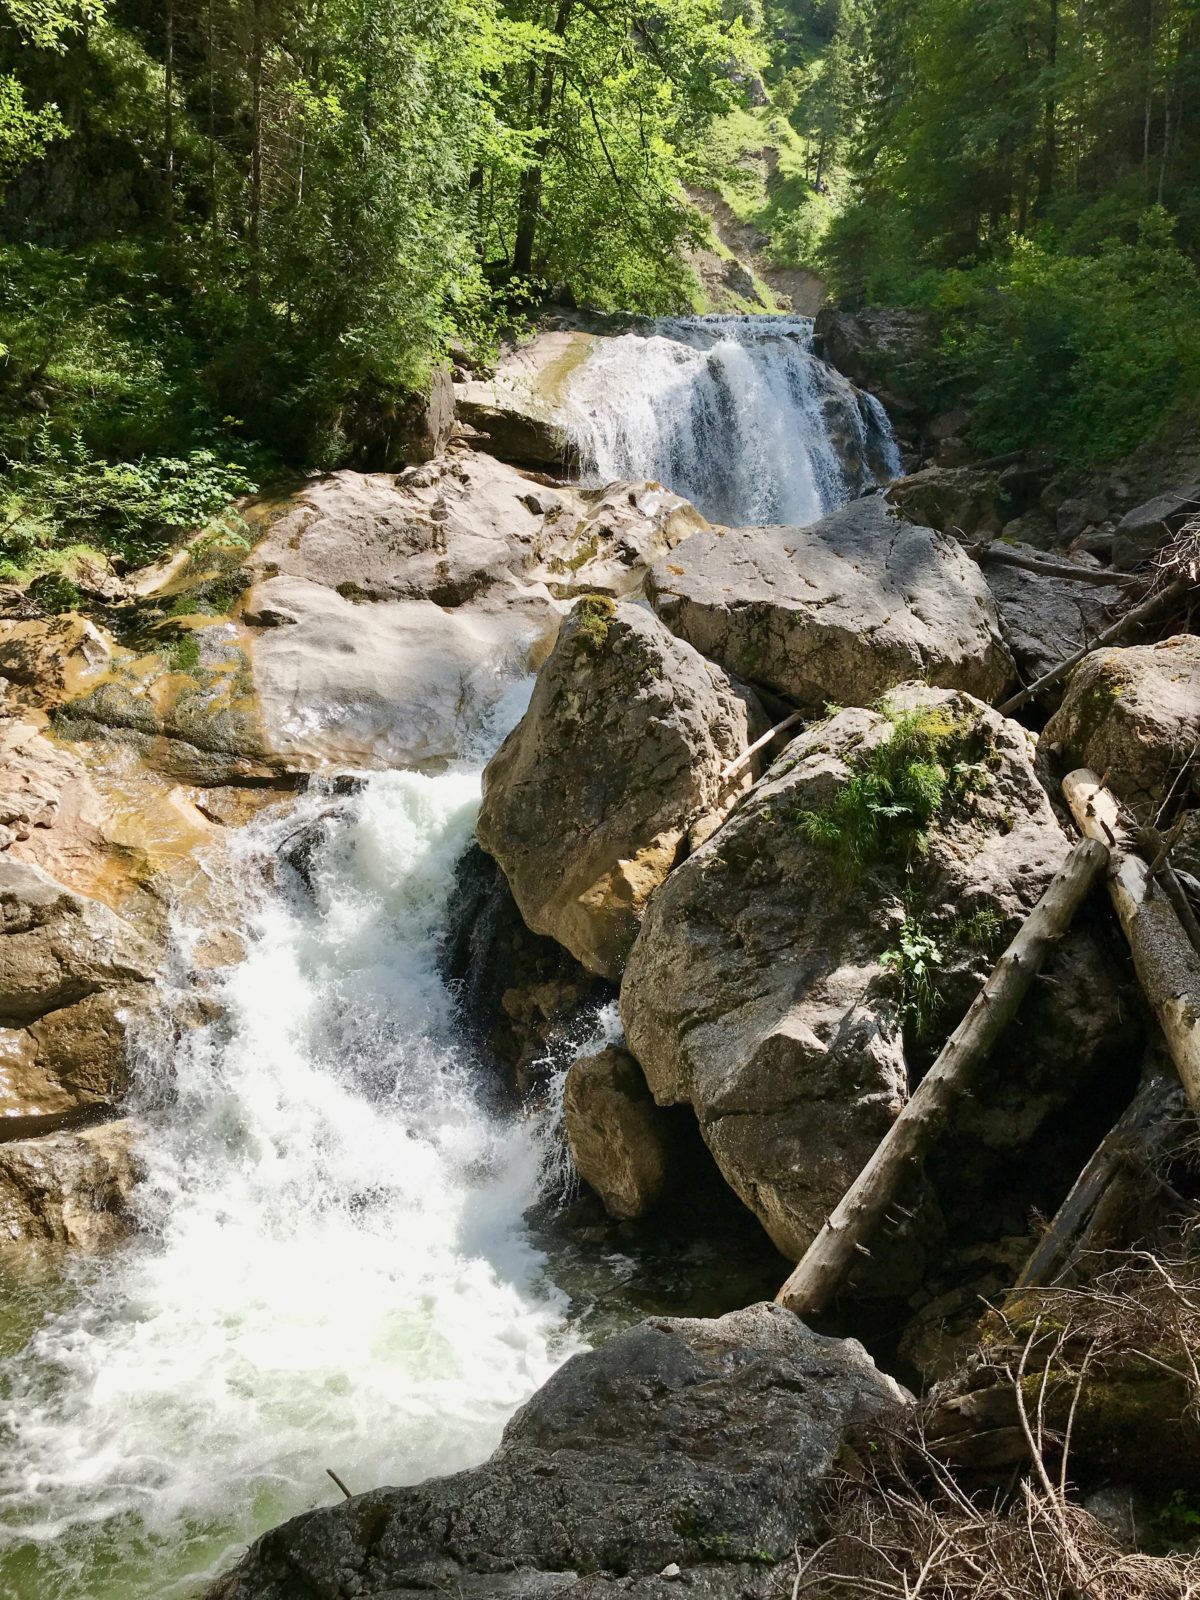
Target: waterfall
[
  {"x": 333, "y": 1269},
  {"x": 735, "y": 413}
]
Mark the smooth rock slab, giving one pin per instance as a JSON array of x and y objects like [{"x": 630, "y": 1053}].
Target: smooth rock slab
[
  {"x": 699, "y": 1443},
  {"x": 841, "y": 611}
]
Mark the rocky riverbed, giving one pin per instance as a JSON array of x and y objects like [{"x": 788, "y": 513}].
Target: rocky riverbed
[{"x": 742, "y": 950}]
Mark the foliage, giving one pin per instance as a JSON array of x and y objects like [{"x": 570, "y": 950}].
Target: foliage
[
  {"x": 1025, "y": 169},
  {"x": 927, "y": 763},
  {"x": 914, "y": 964}
]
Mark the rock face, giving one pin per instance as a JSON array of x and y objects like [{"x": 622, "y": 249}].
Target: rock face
[
  {"x": 1132, "y": 713},
  {"x": 388, "y": 612},
  {"x": 758, "y": 992},
  {"x": 520, "y": 996},
  {"x": 881, "y": 349},
  {"x": 841, "y": 611},
  {"x": 617, "y": 761},
  {"x": 512, "y": 415},
  {"x": 72, "y": 977},
  {"x": 1144, "y": 530},
  {"x": 69, "y": 1190},
  {"x": 698, "y": 1443},
  {"x": 621, "y": 1143}
]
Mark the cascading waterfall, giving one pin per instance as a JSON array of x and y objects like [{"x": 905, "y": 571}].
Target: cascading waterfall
[
  {"x": 734, "y": 413},
  {"x": 333, "y": 1270}
]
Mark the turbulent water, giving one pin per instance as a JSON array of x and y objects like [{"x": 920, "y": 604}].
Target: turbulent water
[
  {"x": 734, "y": 413},
  {"x": 333, "y": 1268},
  {"x": 335, "y": 1271}
]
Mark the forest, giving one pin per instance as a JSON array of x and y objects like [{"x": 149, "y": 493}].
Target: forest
[{"x": 236, "y": 232}]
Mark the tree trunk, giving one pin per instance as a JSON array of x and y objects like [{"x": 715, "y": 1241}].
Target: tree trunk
[
  {"x": 1108, "y": 1194},
  {"x": 1167, "y": 966},
  {"x": 529, "y": 191},
  {"x": 1050, "y": 113},
  {"x": 831, "y": 1254},
  {"x": 169, "y": 119},
  {"x": 256, "y": 143}
]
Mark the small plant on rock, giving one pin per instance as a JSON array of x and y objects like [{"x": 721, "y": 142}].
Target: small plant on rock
[{"x": 894, "y": 794}]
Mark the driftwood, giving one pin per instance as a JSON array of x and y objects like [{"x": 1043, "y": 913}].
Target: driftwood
[
  {"x": 1004, "y": 555},
  {"x": 736, "y": 765},
  {"x": 1111, "y": 1188},
  {"x": 1164, "y": 958},
  {"x": 862, "y": 1208},
  {"x": 1150, "y": 607}
]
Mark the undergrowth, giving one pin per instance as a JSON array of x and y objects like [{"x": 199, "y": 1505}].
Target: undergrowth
[{"x": 931, "y": 761}]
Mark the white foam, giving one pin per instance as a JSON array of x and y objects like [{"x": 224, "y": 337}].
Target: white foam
[{"x": 335, "y": 1272}]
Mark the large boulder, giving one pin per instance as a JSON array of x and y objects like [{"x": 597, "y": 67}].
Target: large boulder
[
  {"x": 1133, "y": 713},
  {"x": 622, "y": 1144},
  {"x": 769, "y": 987},
  {"x": 376, "y": 617},
  {"x": 841, "y": 611},
  {"x": 69, "y": 1190},
  {"x": 618, "y": 760},
  {"x": 73, "y": 978},
  {"x": 1143, "y": 531},
  {"x": 699, "y": 1445},
  {"x": 961, "y": 502}
]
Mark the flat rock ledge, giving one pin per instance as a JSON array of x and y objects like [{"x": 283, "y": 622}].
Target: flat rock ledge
[{"x": 686, "y": 1443}]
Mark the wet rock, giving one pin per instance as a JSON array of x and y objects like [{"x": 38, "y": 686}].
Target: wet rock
[
  {"x": 524, "y": 1001},
  {"x": 73, "y": 977},
  {"x": 760, "y": 993},
  {"x": 692, "y": 1443},
  {"x": 69, "y": 1190},
  {"x": 619, "y": 758},
  {"x": 884, "y": 349},
  {"x": 1044, "y": 619},
  {"x": 841, "y": 611},
  {"x": 1133, "y": 713},
  {"x": 49, "y": 659},
  {"x": 1144, "y": 530},
  {"x": 622, "y": 1144}
]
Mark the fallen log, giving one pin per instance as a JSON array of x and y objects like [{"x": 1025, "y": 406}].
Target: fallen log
[
  {"x": 863, "y": 1206},
  {"x": 1004, "y": 555},
  {"x": 1110, "y": 1188},
  {"x": 1166, "y": 963},
  {"x": 1150, "y": 607},
  {"x": 736, "y": 765}
]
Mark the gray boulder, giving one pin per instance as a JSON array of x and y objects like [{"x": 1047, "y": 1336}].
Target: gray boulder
[
  {"x": 1133, "y": 713},
  {"x": 622, "y": 1144},
  {"x": 615, "y": 768},
  {"x": 702, "y": 1444},
  {"x": 841, "y": 611},
  {"x": 961, "y": 502},
  {"x": 759, "y": 991},
  {"x": 1144, "y": 530}
]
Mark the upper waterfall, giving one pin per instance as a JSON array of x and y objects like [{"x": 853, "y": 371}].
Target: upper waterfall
[{"x": 736, "y": 413}]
